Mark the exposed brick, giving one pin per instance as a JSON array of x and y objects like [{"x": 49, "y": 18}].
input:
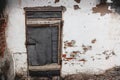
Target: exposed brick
[{"x": 2, "y": 36}]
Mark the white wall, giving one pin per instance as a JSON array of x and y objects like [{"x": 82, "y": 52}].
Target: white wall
[{"x": 81, "y": 25}]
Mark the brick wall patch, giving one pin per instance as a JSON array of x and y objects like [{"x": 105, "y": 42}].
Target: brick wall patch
[{"x": 2, "y": 37}]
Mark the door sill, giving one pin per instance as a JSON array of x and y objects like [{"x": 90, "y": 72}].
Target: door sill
[{"x": 47, "y": 67}]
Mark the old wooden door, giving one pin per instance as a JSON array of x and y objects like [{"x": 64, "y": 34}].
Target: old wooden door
[{"x": 42, "y": 45}]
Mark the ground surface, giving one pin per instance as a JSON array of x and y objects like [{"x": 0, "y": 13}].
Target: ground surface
[{"x": 111, "y": 74}]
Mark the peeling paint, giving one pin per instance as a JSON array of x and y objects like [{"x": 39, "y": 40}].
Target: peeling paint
[
  {"x": 63, "y": 8},
  {"x": 78, "y": 1},
  {"x": 69, "y": 44},
  {"x": 83, "y": 60},
  {"x": 64, "y": 55},
  {"x": 93, "y": 41},
  {"x": 86, "y": 48},
  {"x": 56, "y": 1},
  {"x": 108, "y": 54},
  {"x": 102, "y": 9},
  {"x": 76, "y": 7}
]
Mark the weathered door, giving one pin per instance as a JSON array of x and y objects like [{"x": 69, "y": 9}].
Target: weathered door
[{"x": 42, "y": 45}]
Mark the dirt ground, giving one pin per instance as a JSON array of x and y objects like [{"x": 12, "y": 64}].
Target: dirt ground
[{"x": 111, "y": 74}]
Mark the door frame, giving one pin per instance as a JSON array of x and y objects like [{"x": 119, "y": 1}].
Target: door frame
[{"x": 57, "y": 22}]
